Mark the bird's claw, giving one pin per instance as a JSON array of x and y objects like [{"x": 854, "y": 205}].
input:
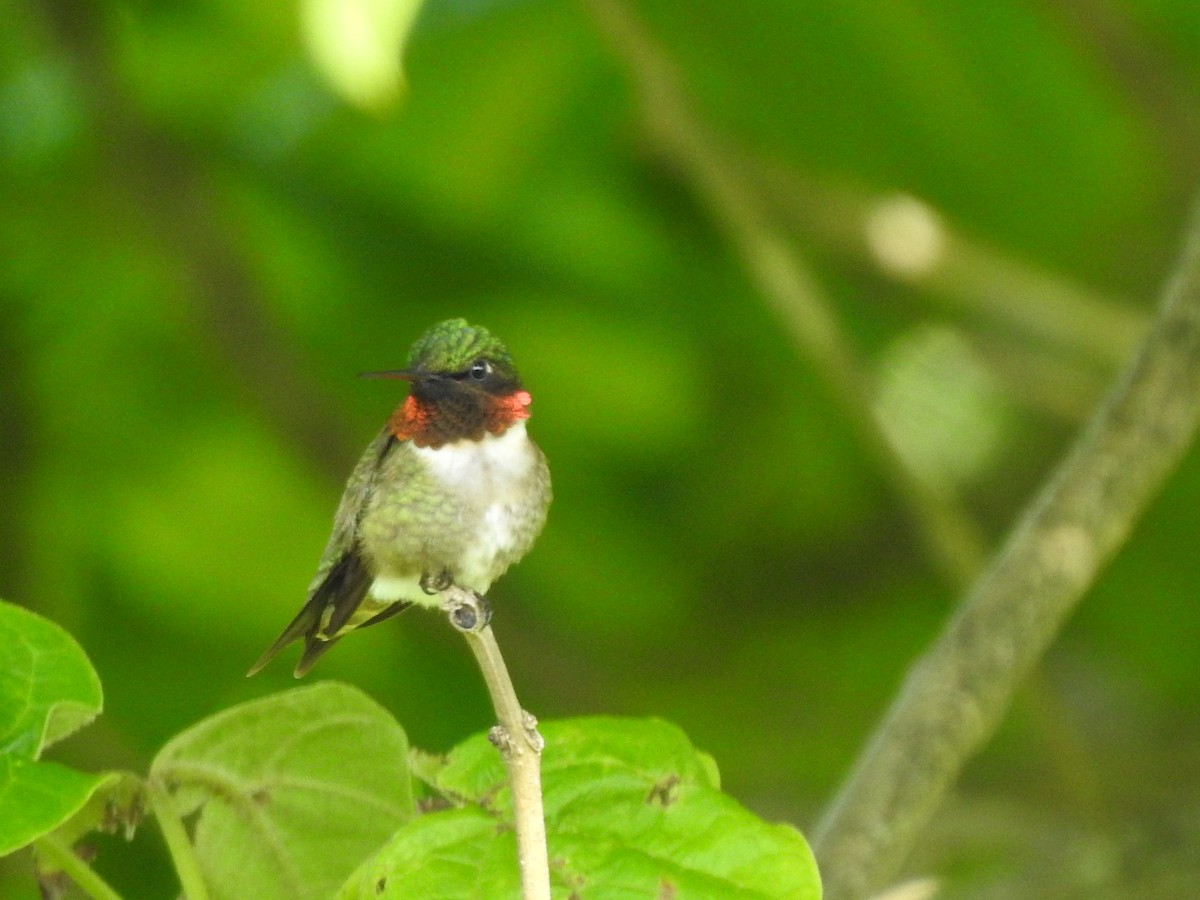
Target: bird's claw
[{"x": 436, "y": 582}]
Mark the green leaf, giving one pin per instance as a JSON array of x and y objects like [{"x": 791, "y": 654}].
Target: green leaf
[
  {"x": 449, "y": 854},
  {"x": 294, "y": 790},
  {"x": 37, "y": 797},
  {"x": 632, "y": 810},
  {"x": 118, "y": 804},
  {"x": 357, "y": 45},
  {"x": 48, "y": 688}
]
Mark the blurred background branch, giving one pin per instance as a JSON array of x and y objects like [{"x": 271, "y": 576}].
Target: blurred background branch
[
  {"x": 783, "y": 278},
  {"x": 958, "y": 692},
  {"x": 910, "y": 241}
]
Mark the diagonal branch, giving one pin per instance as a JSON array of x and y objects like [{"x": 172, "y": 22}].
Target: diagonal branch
[{"x": 957, "y": 693}]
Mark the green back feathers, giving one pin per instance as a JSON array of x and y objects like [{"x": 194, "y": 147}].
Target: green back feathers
[{"x": 452, "y": 346}]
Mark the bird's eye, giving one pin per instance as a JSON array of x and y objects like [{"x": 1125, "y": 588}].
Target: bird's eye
[{"x": 480, "y": 369}]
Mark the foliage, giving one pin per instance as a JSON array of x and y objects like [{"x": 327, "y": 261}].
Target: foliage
[
  {"x": 631, "y": 809},
  {"x": 294, "y": 790},
  {"x": 49, "y": 690},
  {"x": 203, "y": 244}
]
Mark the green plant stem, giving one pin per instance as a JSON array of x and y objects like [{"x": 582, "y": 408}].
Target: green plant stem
[
  {"x": 958, "y": 692},
  {"x": 179, "y": 845},
  {"x": 83, "y": 875},
  {"x": 952, "y": 539},
  {"x": 516, "y": 738}
]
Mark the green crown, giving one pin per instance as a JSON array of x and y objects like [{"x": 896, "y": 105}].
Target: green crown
[{"x": 453, "y": 345}]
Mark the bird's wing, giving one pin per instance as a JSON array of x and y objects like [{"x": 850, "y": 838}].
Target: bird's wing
[
  {"x": 344, "y": 538},
  {"x": 342, "y": 578}
]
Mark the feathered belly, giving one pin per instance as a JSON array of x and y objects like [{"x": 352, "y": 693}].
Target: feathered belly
[{"x": 469, "y": 509}]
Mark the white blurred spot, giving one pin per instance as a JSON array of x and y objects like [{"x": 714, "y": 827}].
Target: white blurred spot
[{"x": 906, "y": 236}]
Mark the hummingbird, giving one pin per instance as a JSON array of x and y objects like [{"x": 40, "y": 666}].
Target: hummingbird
[{"x": 451, "y": 492}]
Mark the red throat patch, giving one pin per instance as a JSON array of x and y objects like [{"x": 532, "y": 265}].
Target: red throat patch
[
  {"x": 508, "y": 410},
  {"x": 409, "y": 419},
  {"x": 421, "y": 424}
]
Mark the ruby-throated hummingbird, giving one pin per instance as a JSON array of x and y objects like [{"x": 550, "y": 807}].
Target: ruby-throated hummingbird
[{"x": 451, "y": 492}]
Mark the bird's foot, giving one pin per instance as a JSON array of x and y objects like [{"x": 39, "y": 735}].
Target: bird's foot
[{"x": 436, "y": 582}]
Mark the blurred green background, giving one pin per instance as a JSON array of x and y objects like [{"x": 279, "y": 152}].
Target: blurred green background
[{"x": 202, "y": 244}]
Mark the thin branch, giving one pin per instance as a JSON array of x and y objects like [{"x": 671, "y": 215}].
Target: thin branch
[
  {"x": 516, "y": 737},
  {"x": 783, "y": 280},
  {"x": 961, "y": 272},
  {"x": 52, "y": 848},
  {"x": 958, "y": 692}
]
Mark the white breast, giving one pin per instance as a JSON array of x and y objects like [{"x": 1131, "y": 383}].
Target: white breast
[
  {"x": 492, "y": 472},
  {"x": 491, "y": 468}
]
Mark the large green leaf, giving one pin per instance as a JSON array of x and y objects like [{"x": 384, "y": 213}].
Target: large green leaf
[
  {"x": 48, "y": 690},
  {"x": 632, "y": 810},
  {"x": 294, "y": 790}
]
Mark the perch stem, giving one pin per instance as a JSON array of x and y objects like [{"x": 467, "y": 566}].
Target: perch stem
[{"x": 516, "y": 737}]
